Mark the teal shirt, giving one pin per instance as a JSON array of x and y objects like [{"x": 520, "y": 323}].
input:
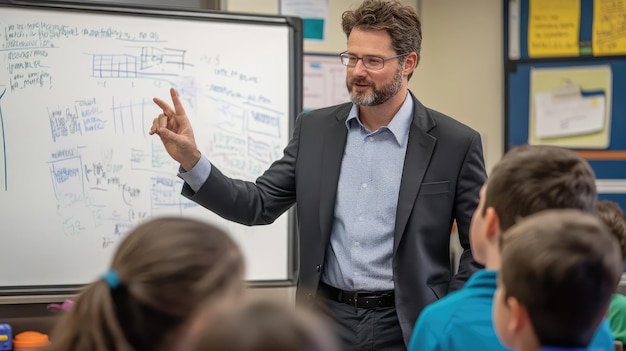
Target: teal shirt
[{"x": 463, "y": 321}]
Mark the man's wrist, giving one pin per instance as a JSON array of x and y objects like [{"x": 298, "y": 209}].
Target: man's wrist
[{"x": 191, "y": 161}]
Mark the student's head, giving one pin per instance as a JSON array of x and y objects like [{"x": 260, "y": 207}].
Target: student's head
[
  {"x": 613, "y": 217},
  {"x": 529, "y": 179},
  {"x": 559, "y": 270},
  {"x": 264, "y": 326},
  {"x": 160, "y": 273},
  {"x": 384, "y": 41}
]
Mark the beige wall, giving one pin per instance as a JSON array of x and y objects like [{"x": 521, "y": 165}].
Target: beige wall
[{"x": 460, "y": 72}]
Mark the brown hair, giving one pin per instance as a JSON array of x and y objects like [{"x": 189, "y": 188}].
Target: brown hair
[
  {"x": 613, "y": 217},
  {"x": 266, "y": 326},
  {"x": 166, "y": 268},
  {"x": 567, "y": 285},
  {"x": 400, "y": 21},
  {"x": 529, "y": 179}
]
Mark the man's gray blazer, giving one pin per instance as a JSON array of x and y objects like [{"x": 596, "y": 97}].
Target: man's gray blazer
[{"x": 441, "y": 180}]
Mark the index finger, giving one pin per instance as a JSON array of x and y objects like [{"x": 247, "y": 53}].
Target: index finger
[{"x": 167, "y": 110}]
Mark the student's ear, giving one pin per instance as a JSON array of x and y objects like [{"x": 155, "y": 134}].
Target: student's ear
[
  {"x": 520, "y": 319},
  {"x": 492, "y": 224}
]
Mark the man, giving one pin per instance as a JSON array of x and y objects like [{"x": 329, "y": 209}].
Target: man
[
  {"x": 377, "y": 185},
  {"x": 527, "y": 180}
]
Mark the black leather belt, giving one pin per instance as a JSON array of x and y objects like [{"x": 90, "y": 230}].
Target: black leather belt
[{"x": 360, "y": 299}]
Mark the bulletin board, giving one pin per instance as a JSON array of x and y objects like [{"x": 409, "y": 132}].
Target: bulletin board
[{"x": 565, "y": 82}]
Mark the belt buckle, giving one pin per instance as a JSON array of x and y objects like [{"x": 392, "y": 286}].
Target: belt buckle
[{"x": 356, "y": 299}]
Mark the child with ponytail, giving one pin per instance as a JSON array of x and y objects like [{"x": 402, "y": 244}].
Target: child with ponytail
[{"x": 160, "y": 273}]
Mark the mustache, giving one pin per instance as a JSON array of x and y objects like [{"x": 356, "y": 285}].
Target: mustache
[{"x": 359, "y": 81}]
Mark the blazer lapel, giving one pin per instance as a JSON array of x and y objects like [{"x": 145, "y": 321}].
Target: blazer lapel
[
  {"x": 419, "y": 150},
  {"x": 334, "y": 143}
]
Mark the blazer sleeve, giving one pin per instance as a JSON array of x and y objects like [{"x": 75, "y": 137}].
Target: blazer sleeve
[
  {"x": 471, "y": 179},
  {"x": 252, "y": 203}
]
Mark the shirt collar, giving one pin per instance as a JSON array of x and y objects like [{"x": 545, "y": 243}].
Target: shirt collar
[
  {"x": 399, "y": 125},
  {"x": 486, "y": 278}
]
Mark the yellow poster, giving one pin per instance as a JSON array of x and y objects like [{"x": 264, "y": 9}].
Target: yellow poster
[
  {"x": 609, "y": 27},
  {"x": 553, "y": 28}
]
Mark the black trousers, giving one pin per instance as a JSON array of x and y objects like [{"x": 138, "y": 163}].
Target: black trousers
[{"x": 361, "y": 329}]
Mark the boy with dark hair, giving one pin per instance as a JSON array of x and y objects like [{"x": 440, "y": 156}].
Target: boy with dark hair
[
  {"x": 557, "y": 299},
  {"x": 527, "y": 180},
  {"x": 613, "y": 216}
]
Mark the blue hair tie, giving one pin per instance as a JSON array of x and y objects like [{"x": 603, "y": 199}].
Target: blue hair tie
[{"x": 112, "y": 279}]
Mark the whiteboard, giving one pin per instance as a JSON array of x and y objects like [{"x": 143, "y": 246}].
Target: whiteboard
[{"x": 78, "y": 169}]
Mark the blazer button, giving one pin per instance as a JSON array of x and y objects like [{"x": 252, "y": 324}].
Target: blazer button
[
  {"x": 309, "y": 297},
  {"x": 318, "y": 268}
]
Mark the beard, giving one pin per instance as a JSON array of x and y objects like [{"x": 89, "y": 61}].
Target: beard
[{"x": 379, "y": 95}]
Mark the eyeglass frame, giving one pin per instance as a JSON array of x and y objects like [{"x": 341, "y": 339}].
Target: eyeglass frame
[{"x": 384, "y": 59}]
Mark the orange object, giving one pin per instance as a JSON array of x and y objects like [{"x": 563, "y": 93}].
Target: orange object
[
  {"x": 608, "y": 155},
  {"x": 30, "y": 340}
]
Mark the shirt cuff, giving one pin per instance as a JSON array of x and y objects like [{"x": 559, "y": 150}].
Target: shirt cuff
[{"x": 198, "y": 175}]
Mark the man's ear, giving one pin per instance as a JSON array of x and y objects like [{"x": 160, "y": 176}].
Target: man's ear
[
  {"x": 410, "y": 62},
  {"x": 493, "y": 224},
  {"x": 520, "y": 319}
]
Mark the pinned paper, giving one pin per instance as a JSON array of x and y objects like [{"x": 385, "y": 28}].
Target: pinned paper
[
  {"x": 570, "y": 106},
  {"x": 553, "y": 28},
  {"x": 565, "y": 112},
  {"x": 609, "y": 27},
  {"x": 314, "y": 14}
]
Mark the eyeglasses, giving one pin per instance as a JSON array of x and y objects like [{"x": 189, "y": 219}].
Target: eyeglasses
[{"x": 373, "y": 63}]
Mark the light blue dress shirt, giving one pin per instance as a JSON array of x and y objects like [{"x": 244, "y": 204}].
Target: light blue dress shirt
[
  {"x": 463, "y": 320},
  {"x": 360, "y": 253}
]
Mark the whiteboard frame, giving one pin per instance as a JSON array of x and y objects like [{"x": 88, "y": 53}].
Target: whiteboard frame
[{"x": 295, "y": 30}]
